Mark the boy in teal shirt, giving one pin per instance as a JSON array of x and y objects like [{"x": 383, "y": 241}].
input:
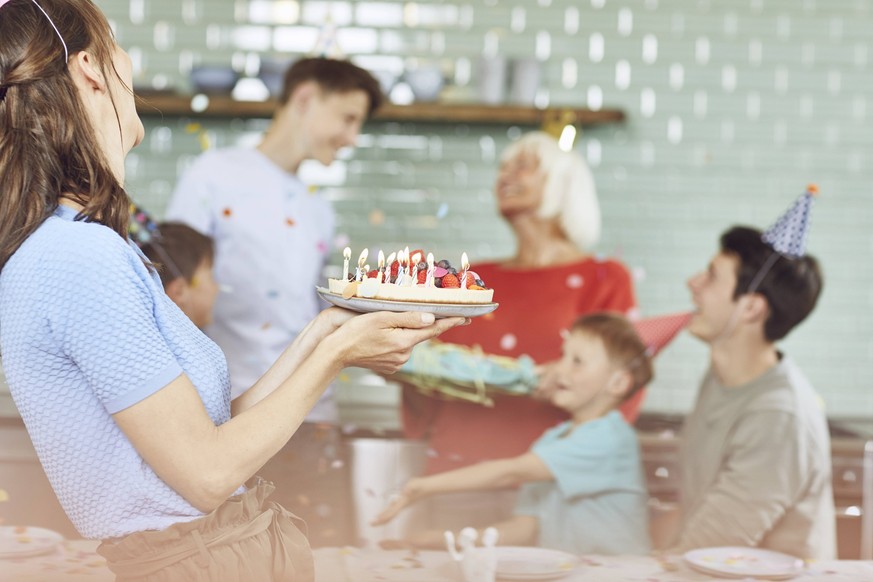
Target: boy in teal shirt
[{"x": 582, "y": 484}]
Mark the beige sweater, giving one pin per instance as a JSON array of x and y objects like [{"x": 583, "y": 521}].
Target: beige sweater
[{"x": 756, "y": 467}]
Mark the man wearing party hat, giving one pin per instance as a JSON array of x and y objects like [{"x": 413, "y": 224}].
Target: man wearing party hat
[{"x": 756, "y": 455}]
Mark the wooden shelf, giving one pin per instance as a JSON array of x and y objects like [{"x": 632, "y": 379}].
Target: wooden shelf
[{"x": 220, "y": 106}]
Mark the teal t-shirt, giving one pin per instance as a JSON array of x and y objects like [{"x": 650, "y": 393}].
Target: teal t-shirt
[{"x": 597, "y": 502}]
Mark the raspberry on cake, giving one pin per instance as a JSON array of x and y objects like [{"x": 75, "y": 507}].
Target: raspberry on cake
[{"x": 409, "y": 277}]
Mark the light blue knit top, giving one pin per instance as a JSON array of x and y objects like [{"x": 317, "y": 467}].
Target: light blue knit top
[{"x": 86, "y": 331}]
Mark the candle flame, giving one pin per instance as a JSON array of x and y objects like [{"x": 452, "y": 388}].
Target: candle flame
[
  {"x": 465, "y": 264},
  {"x": 391, "y": 258},
  {"x": 430, "y": 259},
  {"x": 381, "y": 259},
  {"x": 363, "y": 258},
  {"x": 347, "y": 253}
]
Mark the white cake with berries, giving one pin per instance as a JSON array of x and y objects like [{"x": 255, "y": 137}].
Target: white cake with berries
[
  {"x": 372, "y": 289},
  {"x": 418, "y": 283}
]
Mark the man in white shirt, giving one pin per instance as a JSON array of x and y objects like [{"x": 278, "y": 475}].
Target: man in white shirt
[
  {"x": 272, "y": 237},
  {"x": 756, "y": 467}
]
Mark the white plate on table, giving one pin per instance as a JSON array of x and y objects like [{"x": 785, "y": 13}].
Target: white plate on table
[
  {"x": 363, "y": 305},
  {"x": 25, "y": 541},
  {"x": 524, "y": 563},
  {"x": 731, "y": 562}
]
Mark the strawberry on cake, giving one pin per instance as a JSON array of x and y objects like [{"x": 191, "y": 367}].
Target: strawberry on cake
[{"x": 407, "y": 276}]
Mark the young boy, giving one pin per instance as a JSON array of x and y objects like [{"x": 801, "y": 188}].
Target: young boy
[
  {"x": 756, "y": 467},
  {"x": 185, "y": 257},
  {"x": 583, "y": 489}
]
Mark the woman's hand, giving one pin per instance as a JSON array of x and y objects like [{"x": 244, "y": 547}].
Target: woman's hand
[
  {"x": 412, "y": 491},
  {"x": 383, "y": 341}
]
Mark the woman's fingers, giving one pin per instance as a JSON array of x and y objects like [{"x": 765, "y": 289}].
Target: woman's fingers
[{"x": 383, "y": 341}]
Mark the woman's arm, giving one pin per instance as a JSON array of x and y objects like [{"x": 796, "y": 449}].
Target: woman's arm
[
  {"x": 315, "y": 331},
  {"x": 206, "y": 463},
  {"x": 481, "y": 476}
]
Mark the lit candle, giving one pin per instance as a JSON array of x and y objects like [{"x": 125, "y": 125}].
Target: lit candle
[
  {"x": 359, "y": 274},
  {"x": 465, "y": 264},
  {"x": 347, "y": 254},
  {"x": 428, "y": 282},
  {"x": 413, "y": 267},
  {"x": 366, "y": 270},
  {"x": 381, "y": 266},
  {"x": 388, "y": 262},
  {"x": 401, "y": 272},
  {"x": 408, "y": 261}
]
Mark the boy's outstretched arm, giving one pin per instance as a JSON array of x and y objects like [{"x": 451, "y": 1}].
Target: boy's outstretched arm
[{"x": 481, "y": 476}]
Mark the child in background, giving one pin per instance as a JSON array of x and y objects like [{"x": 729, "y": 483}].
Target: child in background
[
  {"x": 184, "y": 258},
  {"x": 583, "y": 488}
]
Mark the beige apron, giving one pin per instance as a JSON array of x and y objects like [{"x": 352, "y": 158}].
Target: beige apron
[{"x": 246, "y": 539}]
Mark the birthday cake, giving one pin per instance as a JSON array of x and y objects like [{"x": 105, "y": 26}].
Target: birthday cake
[{"x": 412, "y": 277}]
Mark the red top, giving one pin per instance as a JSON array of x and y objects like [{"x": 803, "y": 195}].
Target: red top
[{"x": 536, "y": 306}]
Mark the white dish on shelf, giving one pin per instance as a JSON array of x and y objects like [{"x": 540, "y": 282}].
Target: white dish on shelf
[
  {"x": 525, "y": 563},
  {"x": 363, "y": 305},
  {"x": 738, "y": 562},
  {"x": 26, "y": 541}
]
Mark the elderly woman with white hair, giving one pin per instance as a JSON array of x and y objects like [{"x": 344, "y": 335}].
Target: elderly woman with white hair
[{"x": 549, "y": 200}]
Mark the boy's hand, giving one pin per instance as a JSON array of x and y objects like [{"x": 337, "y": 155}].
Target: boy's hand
[{"x": 412, "y": 491}]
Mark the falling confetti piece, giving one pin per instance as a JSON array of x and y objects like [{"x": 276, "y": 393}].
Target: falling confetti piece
[
  {"x": 639, "y": 274},
  {"x": 442, "y": 211},
  {"x": 290, "y": 221},
  {"x": 321, "y": 247},
  {"x": 4, "y": 496},
  {"x": 272, "y": 294},
  {"x": 227, "y": 212},
  {"x": 508, "y": 341},
  {"x": 266, "y": 326},
  {"x": 376, "y": 217},
  {"x": 341, "y": 241},
  {"x": 575, "y": 281}
]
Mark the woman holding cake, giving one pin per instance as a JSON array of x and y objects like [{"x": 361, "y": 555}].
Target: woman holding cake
[
  {"x": 548, "y": 198},
  {"x": 126, "y": 401}
]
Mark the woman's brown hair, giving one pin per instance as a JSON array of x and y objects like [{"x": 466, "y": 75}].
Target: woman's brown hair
[{"x": 48, "y": 146}]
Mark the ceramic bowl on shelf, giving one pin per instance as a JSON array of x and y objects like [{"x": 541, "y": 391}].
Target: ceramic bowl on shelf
[
  {"x": 214, "y": 79},
  {"x": 426, "y": 82},
  {"x": 272, "y": 73}
]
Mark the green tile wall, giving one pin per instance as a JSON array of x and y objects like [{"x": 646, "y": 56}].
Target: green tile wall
[{"x": 733, "y": 106}]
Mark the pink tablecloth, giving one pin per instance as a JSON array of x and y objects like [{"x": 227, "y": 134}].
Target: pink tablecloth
[{"x": 356, "y": 565}]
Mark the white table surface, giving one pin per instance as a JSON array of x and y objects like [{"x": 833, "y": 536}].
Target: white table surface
[
  {"x": 356, "y": 565},
  {"x": 77, "y": 561}
]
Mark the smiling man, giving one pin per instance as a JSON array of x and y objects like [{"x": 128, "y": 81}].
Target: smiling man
[
  {"x": 272, "y": 237},
  {"x": 756, "y": 451}
]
